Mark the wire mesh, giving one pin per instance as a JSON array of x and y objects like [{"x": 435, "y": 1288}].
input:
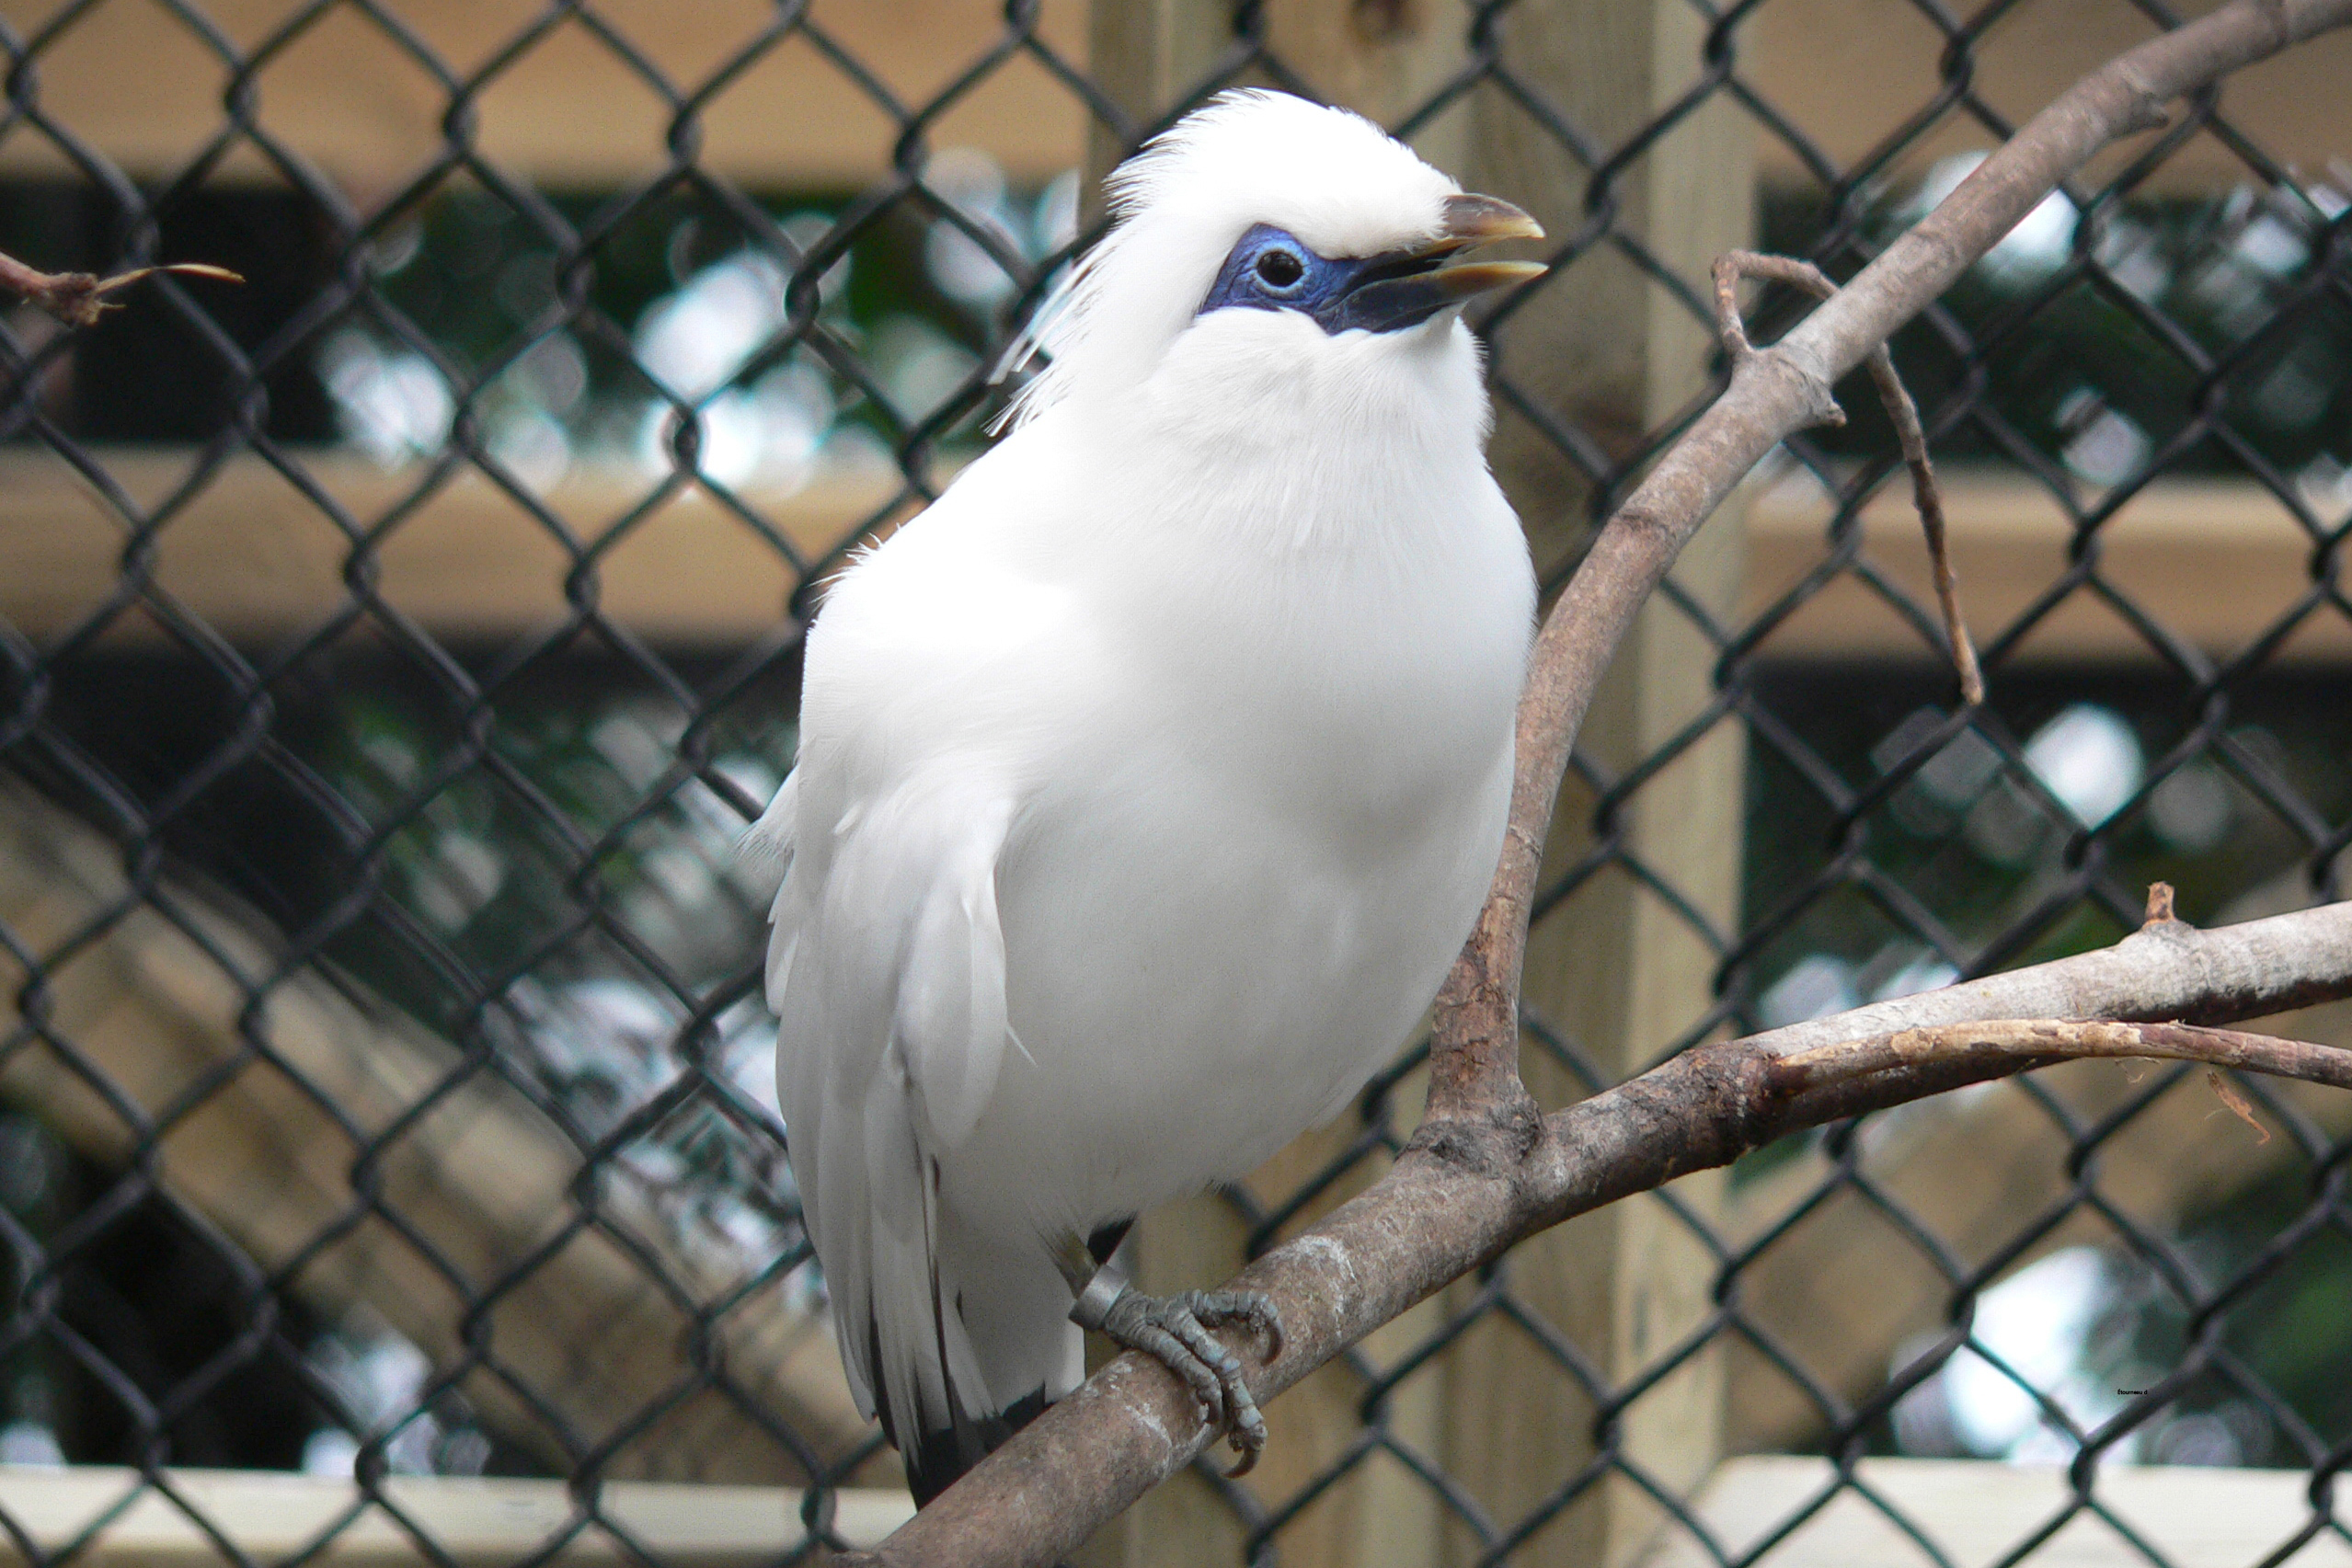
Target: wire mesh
[{"x": 397, "y": 642}]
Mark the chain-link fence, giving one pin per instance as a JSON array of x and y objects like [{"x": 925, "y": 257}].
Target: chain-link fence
[{"x": 393, "y": 645}]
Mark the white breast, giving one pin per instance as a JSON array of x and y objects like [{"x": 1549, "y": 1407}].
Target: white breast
[{"x": 1244, "y": 868}]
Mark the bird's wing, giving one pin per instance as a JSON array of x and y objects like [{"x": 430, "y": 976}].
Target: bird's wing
[
  {"x": 927, "y": 671},
  {"x": 912, "y": 886},
  {"x": 888, "y": 979}
]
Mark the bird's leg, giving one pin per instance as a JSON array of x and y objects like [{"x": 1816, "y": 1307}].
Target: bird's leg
[{"x": 1175, "y": 1331}]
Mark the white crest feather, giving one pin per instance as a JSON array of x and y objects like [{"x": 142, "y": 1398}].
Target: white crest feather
[{"x": 1250, "y": 155}]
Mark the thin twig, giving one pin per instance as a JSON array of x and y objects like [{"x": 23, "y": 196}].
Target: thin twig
[
  {"x": 1927, "y": 495},
  {"x": 2042, "y": 1039},
  {"x": 78, "y": 299}
]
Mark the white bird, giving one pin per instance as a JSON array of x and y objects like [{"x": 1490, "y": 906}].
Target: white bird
[{"x": 1149, "y": 780}]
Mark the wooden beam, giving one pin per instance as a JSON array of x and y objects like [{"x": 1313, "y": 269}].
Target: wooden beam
[
  {"x": 1847, "y": 74},
  {"x": 259, "y": 561},
  {"x": 345, "y": 97},
  {"x": 342, "y": 96},
  {"x": 271, "y": 1515},
  {"x": 2216, "y": 560},
  {"x": 1978, "y": 1512}
]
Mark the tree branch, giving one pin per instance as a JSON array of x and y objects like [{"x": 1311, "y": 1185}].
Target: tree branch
[
  {"x": 1773, "y": 393},
  {"x": 1485, "y": 1169},
  {"x": 1437, "y": 1216}
]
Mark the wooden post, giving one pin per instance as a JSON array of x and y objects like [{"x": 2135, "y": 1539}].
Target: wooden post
[
  {"x": 1615, "y": 967},
  {"x": 1607, "y": 348},
  {"x": 1146, "y": 55}
]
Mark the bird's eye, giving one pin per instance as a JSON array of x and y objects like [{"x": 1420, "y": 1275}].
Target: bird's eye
[{"x": 1279, "y": 268}]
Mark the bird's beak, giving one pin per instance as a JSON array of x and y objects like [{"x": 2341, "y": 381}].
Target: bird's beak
[
  {"x": 1482, "y": 220},
  {"x": 1407, "y": 287}
]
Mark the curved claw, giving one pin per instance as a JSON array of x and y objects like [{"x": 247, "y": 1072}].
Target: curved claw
[
  {"x": 1175, "y": 1331},
  {"x": 1254, "y": 1308}
]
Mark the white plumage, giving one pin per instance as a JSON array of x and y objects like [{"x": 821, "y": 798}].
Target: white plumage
[{"x": 1148, "y": 780}]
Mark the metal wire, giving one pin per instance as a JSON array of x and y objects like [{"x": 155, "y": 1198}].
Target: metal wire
[{"x": 369, "y": 828}]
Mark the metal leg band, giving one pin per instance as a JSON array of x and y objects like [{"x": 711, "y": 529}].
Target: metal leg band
[{"x": 1103, "y": 1290}]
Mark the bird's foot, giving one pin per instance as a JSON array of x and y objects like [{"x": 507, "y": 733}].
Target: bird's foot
[{"x": 1174, "y": 1331}]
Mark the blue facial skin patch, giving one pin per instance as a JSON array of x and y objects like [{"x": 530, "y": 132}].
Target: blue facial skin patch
[{"x": 1270, "y": 270}]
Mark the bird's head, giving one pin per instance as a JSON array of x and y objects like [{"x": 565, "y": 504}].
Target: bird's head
[{"x": 1269, "y": 230}]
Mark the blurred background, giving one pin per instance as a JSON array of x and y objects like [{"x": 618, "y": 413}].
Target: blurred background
[{"x": 393, "y": 647}]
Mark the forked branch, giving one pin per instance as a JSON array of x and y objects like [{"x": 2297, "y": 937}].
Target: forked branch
[
  {"x": 1446, "y": 1207},
  {"x": 1926, "y": 496}
]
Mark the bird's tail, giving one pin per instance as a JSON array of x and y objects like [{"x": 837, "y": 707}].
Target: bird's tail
[
  {"x": 938, "y": 1456},
  {"x": 1028, "y": 1336},
  {"x": 974, "y": 1357}
]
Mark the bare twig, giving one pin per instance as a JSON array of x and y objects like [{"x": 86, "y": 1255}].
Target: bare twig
[
  {"x": 1929, "y": 499},
  {"x": 1485, "y": 1169},
  {"x": 78, "y": 299},
  {"x": 1926, "y": 496},
  {"x": 2047, "y": 1038}
]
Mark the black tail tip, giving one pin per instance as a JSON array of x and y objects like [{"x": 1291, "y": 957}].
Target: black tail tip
[{"x": 941, "y": 1455}]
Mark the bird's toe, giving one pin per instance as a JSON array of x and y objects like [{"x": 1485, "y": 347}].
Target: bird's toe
[
  {"x": 1175, "y": 1331},
  {"x": 1254, "y": 1309}
]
